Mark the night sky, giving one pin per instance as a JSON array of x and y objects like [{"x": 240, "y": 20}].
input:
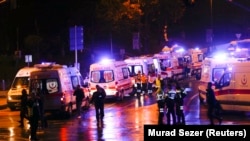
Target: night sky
[{"x": 53, "y": 18}]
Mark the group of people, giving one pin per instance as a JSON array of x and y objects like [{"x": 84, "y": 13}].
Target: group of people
[
  {"x": 97, "y": 99},
  {"x": 144, "y": 83},
  {"x": 170, "y": 98},
  {"x": 32, "y": 109}
]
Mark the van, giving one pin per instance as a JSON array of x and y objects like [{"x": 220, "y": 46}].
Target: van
[
  {"x": 20, "y": 82},
  {"x": 58, "y": 82},
  {"x": 111, "y": 75},
  {"x": 144, "y": 64},
  {"x": 230, "y": 77}
]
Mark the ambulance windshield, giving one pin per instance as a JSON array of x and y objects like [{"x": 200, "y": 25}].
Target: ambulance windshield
[
  {"x": 21, "y": 82},
  {"x": 102, "y": 76}
]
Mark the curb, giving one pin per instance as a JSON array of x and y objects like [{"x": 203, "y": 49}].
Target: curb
[{"x": 3, "y": 106}]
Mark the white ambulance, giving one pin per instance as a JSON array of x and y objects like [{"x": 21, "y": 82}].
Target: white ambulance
[
  {"x": 144, "y": 64},
  {"x": 58, "y": 82},
  {"x": 193, "y": 59},
  {"x": 170, "y": 65},
  {"x": 111, "y": 75},
  {"x": 231, "y": 77},
  {"x": 20, "y": 82}
]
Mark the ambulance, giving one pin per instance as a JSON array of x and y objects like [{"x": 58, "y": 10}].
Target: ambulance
[
  {"x": 170, "y": 65},
  {"x": 231, "y": 79},
  {"x": 20, "y": 82},
  {"x": 111, "y": 75},
  {"x": 145, "y": 64},
  {"x": 193, "y": 59},
  {"x": 58, "y": 82}
]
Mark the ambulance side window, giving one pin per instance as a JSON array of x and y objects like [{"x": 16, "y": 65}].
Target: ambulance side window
[
  {"x": 81, "y": 80},
  {"x": 74, "y": 81},
  {"x": 108, "y": 76},
  {"x": 200, "y": 57},
  {"x": 95, "y": 76},
  {"x": 125, "y": 72},
  {"x": 225, "y": 80},
  {"x": 150, "y": 68},
  {"x": 138, "y": 68},
  {"x": 217, "y": 74},
  {"x": 181, "y": 61}
]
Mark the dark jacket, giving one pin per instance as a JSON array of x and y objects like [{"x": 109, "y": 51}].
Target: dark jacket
[
  {"x": 210, "y": 97},
  {"x": 179, "y": 97},
  {"x": 24, "y": 99},
  {"x": 34, "y": 108},
  {"x": 98, "y": 97},
  {"x": 79, "y": 94}
]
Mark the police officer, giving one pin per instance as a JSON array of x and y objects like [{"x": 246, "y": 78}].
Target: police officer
[
  {"x": 98, "y": 99},
  {"x": 171, "y": 104},
  {"x": 150, "y": 83},
  {"x": 161, "y": 105},
  {"x": 179, "y": 100}
]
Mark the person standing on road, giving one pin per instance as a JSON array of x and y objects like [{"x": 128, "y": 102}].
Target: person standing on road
[
  {"x": 98, "y": 99},
  {"x": 41, "y": 100},
  {"x": 23, "y": 108},
  {"x": 212, "y": 103},
  {"x": 144, "y": 82},
  {"x": 179, "y": 100},
  {"x": 171, "y": 104},
  {"x": 151, "y": 79},
  {"x": 79, "y": 98},
  {"x": 138, "y": 84},
  {"x": 34, "y": 115}
]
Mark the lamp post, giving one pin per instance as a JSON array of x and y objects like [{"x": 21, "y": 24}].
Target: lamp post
[{"x": 211, "y": 14}]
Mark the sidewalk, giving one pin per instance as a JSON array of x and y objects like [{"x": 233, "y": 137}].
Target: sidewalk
[{"x": 3, "y": 101}]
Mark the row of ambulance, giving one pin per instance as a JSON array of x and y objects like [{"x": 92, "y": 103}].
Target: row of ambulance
[
  {"x": 118, "y": 77},
  {"x": 115, "y": 76}
]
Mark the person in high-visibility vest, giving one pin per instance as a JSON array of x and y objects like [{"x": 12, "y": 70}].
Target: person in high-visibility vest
[
  {"x": 138, "y": 85},
  {"x": 158, "y": 84},
  {"x": 144, "y": 82}
]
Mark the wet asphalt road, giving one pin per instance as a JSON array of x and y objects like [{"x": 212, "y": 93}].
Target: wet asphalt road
[{"x": 123, "y": 121}]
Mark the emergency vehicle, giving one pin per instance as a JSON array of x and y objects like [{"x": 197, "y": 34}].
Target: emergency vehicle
[
  {"x": 144, "y": 64},
  {"x": 111, "y": 75},
  {"x": 193, "y": 60},
  {"x": 170, "y": 65},
  {"x": 58, "y": 82},
  {"x": 231, "y": 82},
  {"x": 20, "y": 82}
]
